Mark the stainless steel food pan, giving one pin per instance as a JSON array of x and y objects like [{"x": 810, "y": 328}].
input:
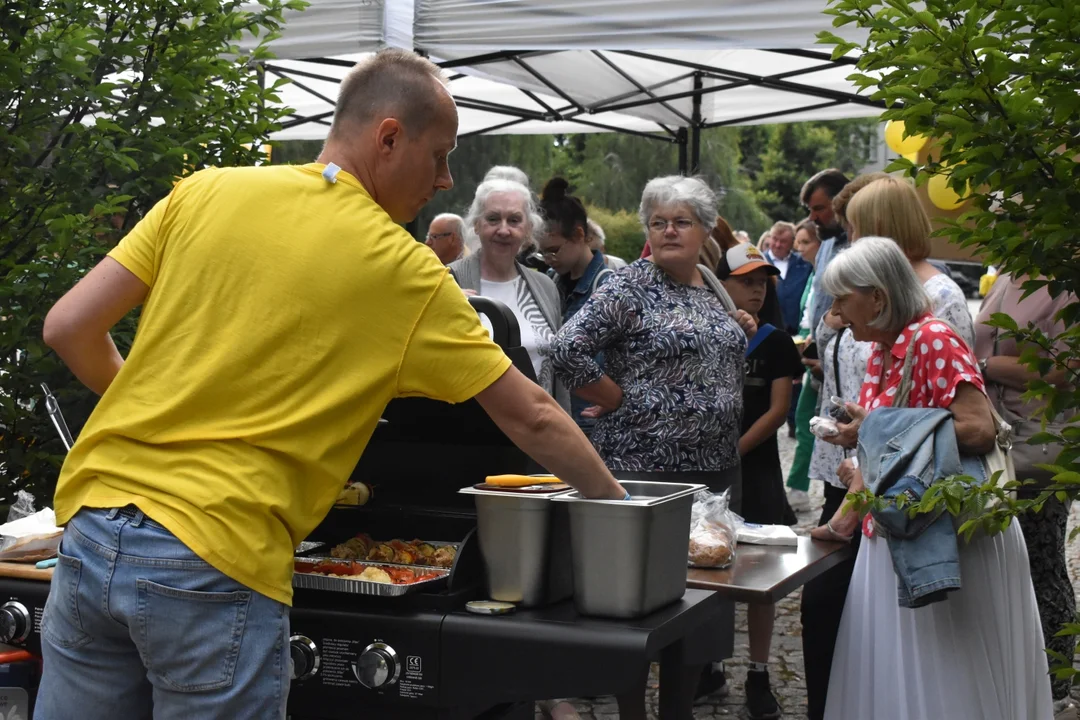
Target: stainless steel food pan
[
  {"x": 629, "y": 556},
  {"x": 525, "y": 543}
]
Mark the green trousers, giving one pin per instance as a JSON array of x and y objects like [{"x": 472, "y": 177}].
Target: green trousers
[{"x": 799, "y": 477}]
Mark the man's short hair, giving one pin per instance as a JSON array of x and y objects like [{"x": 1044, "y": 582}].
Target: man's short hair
[
  {"x": 456, "y": 221},
  {"x": 783, "y": 225},
  {"x": 392, "y": 83},
  {"x": 832, "y": 180}
]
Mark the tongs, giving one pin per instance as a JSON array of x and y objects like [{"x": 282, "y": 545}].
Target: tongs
[{"x": 53, "y": 408}]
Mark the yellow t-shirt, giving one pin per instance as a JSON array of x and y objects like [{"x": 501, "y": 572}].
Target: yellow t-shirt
[{"x": 284, "y": 312}]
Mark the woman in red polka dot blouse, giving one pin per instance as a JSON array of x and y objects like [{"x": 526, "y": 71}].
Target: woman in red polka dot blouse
[{"x": 976, "y": 654}]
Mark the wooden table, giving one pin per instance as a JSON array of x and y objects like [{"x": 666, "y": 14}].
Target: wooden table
[
  {"x": 767, "y": 573},
  {"x": 25, "y": 571}
]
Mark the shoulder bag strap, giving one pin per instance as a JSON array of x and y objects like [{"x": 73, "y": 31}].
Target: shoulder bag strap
[
  {"x": 759, "y": 337},
  {"x": 903, "y": 391},
  {"x": 596, "y": 279},
  {"x": 836, "y": 359},
  {"x": 717, "y": 289}
]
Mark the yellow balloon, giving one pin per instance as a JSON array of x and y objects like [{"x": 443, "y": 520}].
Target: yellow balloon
[
  {"x": 913, "y": 157},
  {"x": 894, "y": 138},
  {"x": 943, "y": 196}
]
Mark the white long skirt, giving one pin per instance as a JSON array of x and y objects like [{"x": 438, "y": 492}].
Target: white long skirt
[{"x": 978, "y": 654}]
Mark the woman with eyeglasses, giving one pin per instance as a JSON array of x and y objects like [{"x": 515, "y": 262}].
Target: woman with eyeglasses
[
  {"x": 670, "y": 397},
  {"x": 668, "y": 400},
  {"x": 504, "y": 217}
]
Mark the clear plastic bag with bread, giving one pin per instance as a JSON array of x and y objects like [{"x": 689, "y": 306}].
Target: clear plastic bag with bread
[{"x": 713, "y": 531}]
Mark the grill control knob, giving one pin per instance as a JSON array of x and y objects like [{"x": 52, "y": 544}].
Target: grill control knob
[
  {"x": 14, "y": 622},
  {"x": 377, "y": 666},
  {"x": 305, "y": 657}
]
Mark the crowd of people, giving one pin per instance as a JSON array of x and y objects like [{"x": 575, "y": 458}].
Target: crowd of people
[
  {"x": 691, "y": 359},
  {"x": 206, "y": 463}
]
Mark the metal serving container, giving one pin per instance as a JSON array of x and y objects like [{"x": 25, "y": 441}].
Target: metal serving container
[
  {"x": 525, "y": 543},
  {"x": 629, "y": 556}
]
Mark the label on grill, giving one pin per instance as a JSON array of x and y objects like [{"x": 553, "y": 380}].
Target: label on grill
[
  {"x": 337, "y": 658},
  {"x": 412, "y": 683}
]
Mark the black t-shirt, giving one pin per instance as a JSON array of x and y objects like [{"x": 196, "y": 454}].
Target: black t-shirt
[{"x": 775, "y": 357}]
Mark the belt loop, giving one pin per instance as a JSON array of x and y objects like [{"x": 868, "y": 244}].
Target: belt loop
[
  {"x": 137, "y": 520},
  {"x": 113, "y": 512}
]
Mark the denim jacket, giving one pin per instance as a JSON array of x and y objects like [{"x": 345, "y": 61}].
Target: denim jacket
[{"x": 903, "y": 451}]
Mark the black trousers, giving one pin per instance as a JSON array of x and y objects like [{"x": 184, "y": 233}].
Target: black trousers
[{"x": 822, "y": 607}]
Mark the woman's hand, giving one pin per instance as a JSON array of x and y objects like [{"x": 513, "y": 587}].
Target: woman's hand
[
  {"x": 844, "y": 523},
  {"x": 815, "y": 368},
  {"x": 469, "y": 293},
  {"x": 840, "y": 528},
  {"x": 833, "y": 320},
  {"x": 848, "y": 436},
  {"x": 605, "y": 394},
  {"x": 850, "y": 475},
  {"x": 746, "y": 322}
]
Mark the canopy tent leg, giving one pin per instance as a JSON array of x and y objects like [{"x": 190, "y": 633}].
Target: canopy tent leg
[
  {"x": 695, "y": 127},
  {"x": 680, "y": 138}
]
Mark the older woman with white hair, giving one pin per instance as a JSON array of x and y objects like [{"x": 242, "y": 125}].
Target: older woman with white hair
[
  {"x": 974, "y": 651},
  {"x": 503, "y": 215}
]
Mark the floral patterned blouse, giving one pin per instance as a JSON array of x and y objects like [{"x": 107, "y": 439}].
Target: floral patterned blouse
[{"x": 678, "y": 357}]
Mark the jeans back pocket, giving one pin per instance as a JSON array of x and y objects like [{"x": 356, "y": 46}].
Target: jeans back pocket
[
  {"x": 189, "y": 640},
  {"x": 61, "y": 623}
]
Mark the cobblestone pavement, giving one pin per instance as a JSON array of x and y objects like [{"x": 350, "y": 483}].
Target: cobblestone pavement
[{"x": 786, "y": 662}]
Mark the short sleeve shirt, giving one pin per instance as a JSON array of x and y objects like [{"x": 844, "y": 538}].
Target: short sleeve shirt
[
  {"x": 774, "y": 358},
  {"x": 283, "y": 313},
  {"x": 940, "y": 362}
]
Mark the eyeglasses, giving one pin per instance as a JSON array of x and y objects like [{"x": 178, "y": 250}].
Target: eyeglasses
[
  {"x": 659, "y": 225},
  {"x": 552, "y": 254},
  {"x": 437, "y": 236}
]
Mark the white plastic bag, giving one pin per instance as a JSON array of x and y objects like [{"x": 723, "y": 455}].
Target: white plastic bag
[
  {"x": 713, "y": 531},
  {"x": 29, "y": 536},
  {"x": 768, "y": 535}
]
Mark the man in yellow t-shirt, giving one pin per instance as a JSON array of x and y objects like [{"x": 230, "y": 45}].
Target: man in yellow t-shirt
[{"x": 283, "y": 307}]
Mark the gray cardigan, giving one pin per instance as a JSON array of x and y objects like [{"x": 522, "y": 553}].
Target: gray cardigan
[{"x": 467, "y": 273}]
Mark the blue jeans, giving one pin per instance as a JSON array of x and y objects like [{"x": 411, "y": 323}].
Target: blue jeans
[{"x": 138, "y": 626}]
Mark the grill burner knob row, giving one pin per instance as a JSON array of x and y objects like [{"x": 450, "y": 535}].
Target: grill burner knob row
[
  {"x": 305, "y": 657},
  {"x": 377, "y": 666},
  {"x": 14, "y": 622}
]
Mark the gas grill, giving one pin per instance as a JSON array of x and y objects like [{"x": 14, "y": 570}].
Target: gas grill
[{"x": 423, "y": 655}]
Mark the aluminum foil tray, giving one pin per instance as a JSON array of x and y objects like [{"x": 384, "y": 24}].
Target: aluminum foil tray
[{"x": 314, "y": 581}]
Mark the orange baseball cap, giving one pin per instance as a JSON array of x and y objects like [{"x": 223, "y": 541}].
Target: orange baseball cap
[{"x": 745, "y": 258}]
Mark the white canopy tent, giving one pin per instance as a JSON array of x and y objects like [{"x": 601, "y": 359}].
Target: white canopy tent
[{"x": 665, "y": 70}]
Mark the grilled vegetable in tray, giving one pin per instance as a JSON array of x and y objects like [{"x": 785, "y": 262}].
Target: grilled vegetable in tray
[{"x": 417, "y": 552}]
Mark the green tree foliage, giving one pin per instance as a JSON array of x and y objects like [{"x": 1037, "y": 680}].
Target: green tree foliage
[
  {"x": 793, "y": 152},
  {"x": 757, "y": 171},
  {"x": 995, "y": 85},
  {"x": 624, "y": 237},
  {"x": 102, "y": 106}
]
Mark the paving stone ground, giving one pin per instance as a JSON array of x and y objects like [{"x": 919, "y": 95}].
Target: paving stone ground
[{"x": 786, "y": 663}]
